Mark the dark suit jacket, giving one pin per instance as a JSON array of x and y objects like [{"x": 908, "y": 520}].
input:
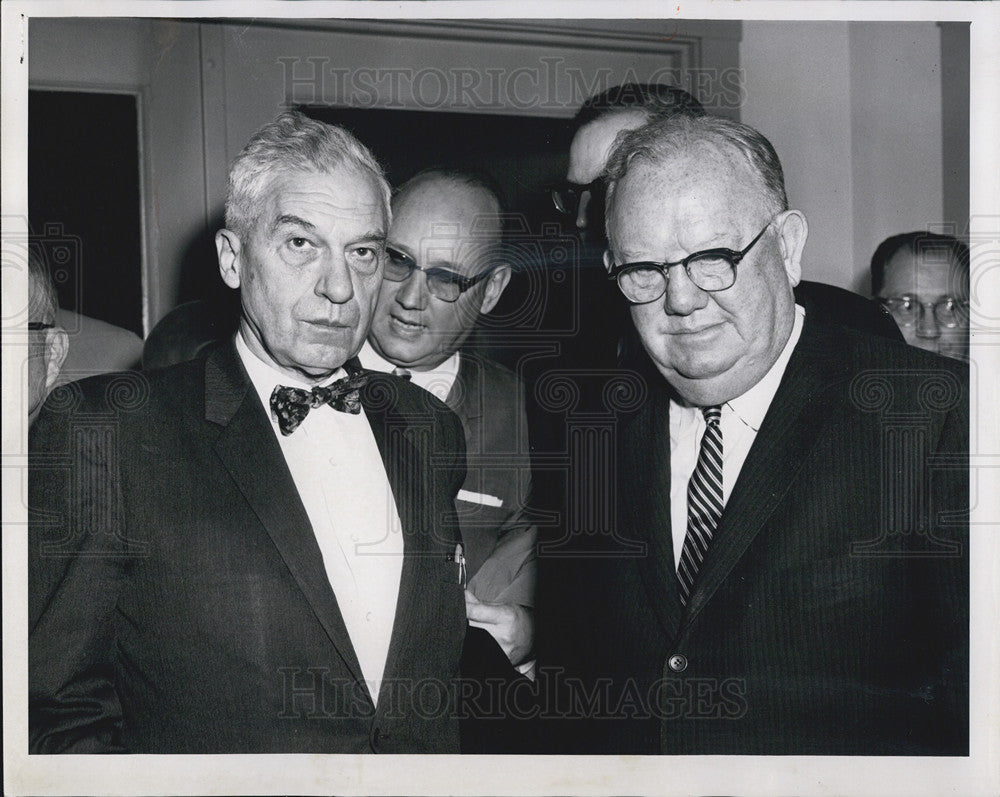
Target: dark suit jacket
[
  {"x": 499, "y": 540},
  {"x": 178, "y": 599},
  {"x": 831, "y": 613}
]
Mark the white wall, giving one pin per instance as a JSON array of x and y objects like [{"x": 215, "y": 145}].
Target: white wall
[
  {"x": 798, "y": 94},
  {"x": 854, "y": 111},
  {"x": 896, "y": 124}
]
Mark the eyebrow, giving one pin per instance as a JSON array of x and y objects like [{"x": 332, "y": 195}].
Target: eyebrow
[
  {"x": 371, "y": 235},
  {"x": 290, "y": 220},
  {"x": 440, "y": 265}
]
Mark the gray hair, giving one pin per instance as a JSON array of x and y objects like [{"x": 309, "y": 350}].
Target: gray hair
[
  {"x": 43, "y": 301},
  {"x": 664, "y": 137},
  {"x": 292, "y": 142}
]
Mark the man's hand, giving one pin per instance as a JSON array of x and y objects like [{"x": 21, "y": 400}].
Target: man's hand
[{"x": 511, "y": 625}]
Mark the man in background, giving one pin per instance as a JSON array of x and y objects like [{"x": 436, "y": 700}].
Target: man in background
[
  {"x": 253, "y": 552},
  {"x": 443, "y": 271},
  {"x": 47, "y": 341},
  {"x": 601, "y": 334},
  {"x": 922, "y": 278}
]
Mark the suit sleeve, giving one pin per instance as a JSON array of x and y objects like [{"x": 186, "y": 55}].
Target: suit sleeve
[
  {"x": 941, "y": 582},
  {"x": 509, "y": 573},
  {"x": 75, "y": 559}
]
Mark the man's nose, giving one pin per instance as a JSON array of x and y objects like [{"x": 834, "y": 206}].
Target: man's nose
[
  {"x": 335, "y": 281},
  {"x": 682, "y": 296},
  {"x": 412, "y": 293},
  {"x": 581, "y": 210},
  {"x": 927, "y": 325}
]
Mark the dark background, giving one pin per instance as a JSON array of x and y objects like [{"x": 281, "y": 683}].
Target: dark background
[{"x": 84, "y": 202}]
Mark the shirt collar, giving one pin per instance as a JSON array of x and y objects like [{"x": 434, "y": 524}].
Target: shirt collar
[
  {"x": 438, "y": 380},
  {"x": 752, "y": 406}
]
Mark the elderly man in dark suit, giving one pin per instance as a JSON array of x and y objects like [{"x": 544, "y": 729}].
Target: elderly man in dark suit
[
  {"x": 443, "y": 272},
  {"x": 789, "y": 572},
  {"x": 254, "y": 551}
]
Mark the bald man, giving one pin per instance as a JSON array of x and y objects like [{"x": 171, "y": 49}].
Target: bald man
[{"x": 442, "y": 273}]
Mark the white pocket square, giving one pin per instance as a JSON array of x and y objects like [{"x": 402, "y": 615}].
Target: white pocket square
[{"x": 479, "y": 498}]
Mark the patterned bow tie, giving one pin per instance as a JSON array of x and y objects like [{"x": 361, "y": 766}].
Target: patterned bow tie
[{"x": 290, "y": 405}]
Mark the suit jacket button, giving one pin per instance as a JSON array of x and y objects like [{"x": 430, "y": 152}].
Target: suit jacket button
[{"x": 678, "y": 662}]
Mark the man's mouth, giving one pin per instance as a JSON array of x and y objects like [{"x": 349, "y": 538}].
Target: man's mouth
[
  {"x": 405, "y": 327},
  {"x": 702, "y": 331}
]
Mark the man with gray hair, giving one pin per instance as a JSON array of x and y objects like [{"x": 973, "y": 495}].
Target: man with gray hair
[
  {"x": 788, "y": 575},
  {"x": 254, "y": 551}
]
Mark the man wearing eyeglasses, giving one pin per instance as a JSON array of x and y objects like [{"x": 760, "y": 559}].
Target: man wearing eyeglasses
[
  {"x": 600, "y": 120},
  {"x": 922, "y": 278},
  {"x": 48, "y": 343},
  {"x": 799, "y": 583},
  {"x": 443, "y": 271}
]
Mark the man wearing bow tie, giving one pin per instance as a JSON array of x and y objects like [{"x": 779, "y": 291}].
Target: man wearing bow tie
[{"x": 254, "y": 551}]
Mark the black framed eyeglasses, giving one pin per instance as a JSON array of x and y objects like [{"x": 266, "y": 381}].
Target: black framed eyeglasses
[
  {"x": 566, "y": 195},
  {"x": 710, "y": 270},
  {"x": 444, "y": 284},
  {"x": 948, "y": 311},
  {"x": 38, "y": 326}
]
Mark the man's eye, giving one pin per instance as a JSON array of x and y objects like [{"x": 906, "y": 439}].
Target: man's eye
[{"x": 299, "y": 243}]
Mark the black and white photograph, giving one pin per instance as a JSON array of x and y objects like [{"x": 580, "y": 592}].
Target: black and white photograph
[{"x": 562, "y": 398}]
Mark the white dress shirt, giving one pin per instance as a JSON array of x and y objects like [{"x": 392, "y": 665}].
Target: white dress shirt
[
  {"x": 438, "y": 380},
  {"x": 741, "y": 418},
  {"x": 338, "y": 471}
]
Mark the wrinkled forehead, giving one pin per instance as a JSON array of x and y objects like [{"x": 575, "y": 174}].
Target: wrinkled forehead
[
  {"x": 344, "y": 191},
  {"x": 928, "y": 274},
  {"x": 703, "y": 185}
]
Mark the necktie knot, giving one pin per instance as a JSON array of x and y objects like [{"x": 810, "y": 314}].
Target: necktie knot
[
  {"x": 713, "y": 415},
  {"x": 402, "y": 373},
  {"x": 290, "y": 405}
]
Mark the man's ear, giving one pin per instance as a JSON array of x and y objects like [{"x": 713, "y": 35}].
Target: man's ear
[
  {"x": 56, "y": 349},
  {"x": 792, "y": 232},
  {"x": 609, "y": 260},
  {"x": 495, "y": 285},
  {"x": 228, "y": 247}
]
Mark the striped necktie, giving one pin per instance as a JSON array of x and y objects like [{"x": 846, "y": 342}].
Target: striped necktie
[{"x": 704, "y": 500}]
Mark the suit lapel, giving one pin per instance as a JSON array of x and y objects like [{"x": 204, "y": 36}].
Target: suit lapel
[
  {"x": 645, "y": 498},
  {"x": 801, "y": 407},
  {"x": 249, "y": 450},
  {"x": 465, "y": 398}
]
